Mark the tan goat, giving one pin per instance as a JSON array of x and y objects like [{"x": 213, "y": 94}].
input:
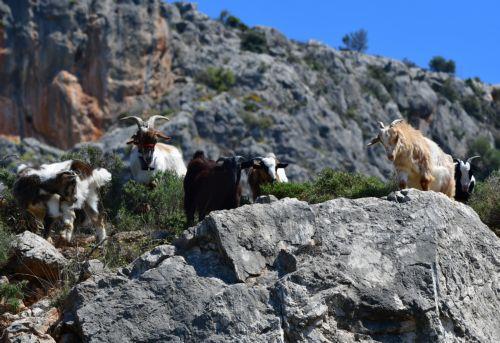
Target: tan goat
[{"x": 419, "y": 162}]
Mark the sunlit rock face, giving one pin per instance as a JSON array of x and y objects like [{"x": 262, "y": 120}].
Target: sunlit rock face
[{"x": 68, "y": 68}]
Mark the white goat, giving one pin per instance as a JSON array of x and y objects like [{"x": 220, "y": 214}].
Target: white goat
[
  {"x": 58, "y": 189},
  {"x": 148, "y": 156}
]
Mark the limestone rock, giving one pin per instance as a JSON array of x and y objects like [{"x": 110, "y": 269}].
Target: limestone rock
[
  {"x": 34, "y": 257},
  {"x": 68, "y": 68},
  {"x": 341, "y": 271}
]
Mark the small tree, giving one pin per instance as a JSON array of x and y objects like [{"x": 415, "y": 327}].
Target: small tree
[
  {"x": 440, "y": 64},
  {"x": 356, "y": 41}
]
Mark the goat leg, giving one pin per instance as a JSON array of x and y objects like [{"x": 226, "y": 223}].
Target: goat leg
[{"x": 68, "y": 220}]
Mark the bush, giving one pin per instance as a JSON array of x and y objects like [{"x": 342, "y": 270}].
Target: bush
[
  {"x": 219, "y": 79},
  {"x": 490, "y": 157},
  {"x": 12, "y": 218},
  {"x": 11, "y": 295},
  {"x": 440, "y": 64},
  {"x": 331, "y": 184},
  {"x": 6, "y": 238},
  {"x": 447, "y": 89},
  {"x": 356, "y": 41},
  {"x": 486, "y": 201},
  {"x": 256, "y": 121},
  {"x": 381, "y": 74},
  {"x": 159, "y": 208},
  {"x": 231, "y": 21},
  {"x": 254, "y": 41}
]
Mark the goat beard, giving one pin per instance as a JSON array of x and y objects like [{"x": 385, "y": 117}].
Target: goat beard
[{"x": 144, "y": 165}]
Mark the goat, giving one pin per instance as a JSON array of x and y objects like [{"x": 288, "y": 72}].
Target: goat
[
  {"x": 212, "y": 185},
  {"x": 58, "y": 189},
  {"x": 148, "y": 156},
  {"x": 464, "y": 179},
  {"x": 265, "y": 170},
  {"x": 419, "y": 162}
]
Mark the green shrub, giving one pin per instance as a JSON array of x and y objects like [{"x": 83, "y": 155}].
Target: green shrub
[
  {"x": 6, "y": 238},
  {"x": 254, "y": 120},
  {"x": 287, "y": 190},
  {"x": 381, "y": 74},
  {"x": 486, "y": 201},
  {"x": 447, "y": 89},
  {"x": 440, "y": 64},
  {"x": 490, "y": 157},
  {"x": 231, "y": 21},
  {"x": 254, "y": 41},
  {"x": 12, "y": 294},
  {"x": 356, "y": 41},
  {"x": 331, "y": 184},
  {"x": 472, "y": 84},
  {"x": 151, "y": 209},
  {"x": 12, "y": 218},
  {"x": 219, "y": 79}
]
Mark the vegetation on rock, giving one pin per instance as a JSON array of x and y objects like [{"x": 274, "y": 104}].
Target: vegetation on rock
[
  {"x": 331, "y": 184},
  {"x": 486, "y": 201},
  {"x": 440, "y": 64}
]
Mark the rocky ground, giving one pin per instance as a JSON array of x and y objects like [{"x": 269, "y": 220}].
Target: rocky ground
[{"x": 342, "y": 271}]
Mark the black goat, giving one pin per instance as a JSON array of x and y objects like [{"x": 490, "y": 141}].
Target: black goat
[{"x": 212, "y": 185}]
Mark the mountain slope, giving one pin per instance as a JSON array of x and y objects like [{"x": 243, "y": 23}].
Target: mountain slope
[{"x": 228, "y": 89}]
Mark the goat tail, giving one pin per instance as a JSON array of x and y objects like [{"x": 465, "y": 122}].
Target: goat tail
[{"x": 101, "y": 176}]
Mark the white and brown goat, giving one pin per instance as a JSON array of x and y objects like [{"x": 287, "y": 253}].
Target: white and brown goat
[
  {"x": 419, "y": 162},
  {"x": 264, "y": 170},
  {"x": 148, "y": 156},
  {"x": 58, "y": 189}
]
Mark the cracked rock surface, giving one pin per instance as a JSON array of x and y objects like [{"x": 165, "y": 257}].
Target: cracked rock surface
[{"x": 364, "y": 270}]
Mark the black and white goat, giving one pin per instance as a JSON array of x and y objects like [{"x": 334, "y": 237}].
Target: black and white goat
[
  {"x": 464, "y": 179},
  {"x": 148, "y": 156},
  {"x": 58, "y": 189},
  {"x": 264, "y": 170}
]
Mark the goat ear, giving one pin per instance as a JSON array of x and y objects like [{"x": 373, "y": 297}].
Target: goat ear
[
  {"x": 161, "y": 135},
  {"x": 282, "y": 165},
  {"x": 256, "y": 163}
]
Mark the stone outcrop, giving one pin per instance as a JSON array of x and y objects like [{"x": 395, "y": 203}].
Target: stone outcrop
[
  {"x": 31, "y": 325},
  {"x": 68, "y": 68},
  {"x": 34, "y": 257},
  {"x": 341, "y": 271}
]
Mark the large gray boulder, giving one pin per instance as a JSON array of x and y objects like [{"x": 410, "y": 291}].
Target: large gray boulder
[
  {"x": 34, "y": 257},
  {"x": 370, "y": 269}
]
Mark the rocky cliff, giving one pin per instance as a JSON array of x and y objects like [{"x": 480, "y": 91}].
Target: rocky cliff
[
  {"x": 67, "y": 68},
  {"x": 363, "y": 270}
]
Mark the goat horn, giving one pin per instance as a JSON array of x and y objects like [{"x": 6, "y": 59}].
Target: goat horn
[
  {"x": 471, "y": 158},
  {"x": 152, "y": 119},
  {"x": 374, "y": 141},
  {"x": 138, "y": 121},
  {"x": 382, "y": 126},
  {"x": 396, "y": 122}
]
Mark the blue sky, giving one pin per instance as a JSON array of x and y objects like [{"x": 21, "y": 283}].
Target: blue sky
[{"x": 465, "y": 31}]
